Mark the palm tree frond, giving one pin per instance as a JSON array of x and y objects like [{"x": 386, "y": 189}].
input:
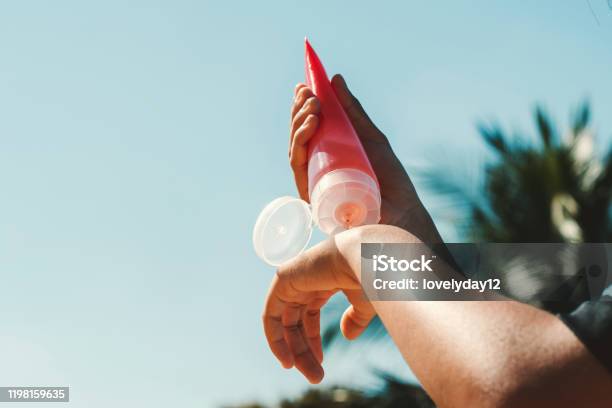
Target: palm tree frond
[
  {"x": 494, "y": 136},
  {"x": 581, "y": 118},
  {"x": 545, "y": 127}
]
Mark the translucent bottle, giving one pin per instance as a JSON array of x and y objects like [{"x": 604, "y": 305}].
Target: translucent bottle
[{"x": 342, "y": 186}]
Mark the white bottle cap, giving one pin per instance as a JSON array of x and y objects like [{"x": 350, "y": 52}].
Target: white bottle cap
[
  {"x": 341, "y": 199},
  {"x": 282, "y": 230}
]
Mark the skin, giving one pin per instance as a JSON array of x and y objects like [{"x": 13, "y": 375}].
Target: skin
[
  {"x": 401, "y": 205},
  {"x": 485, "y": 354}
]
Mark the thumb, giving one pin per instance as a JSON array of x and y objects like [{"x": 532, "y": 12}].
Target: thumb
[
  {"x": 355, "y": 320},
  {"x": 359, "y": 118},
  {"x": 351, "y": 105}
]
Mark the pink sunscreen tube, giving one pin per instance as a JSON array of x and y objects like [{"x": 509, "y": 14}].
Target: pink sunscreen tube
[{"x": 342, "y": 186}]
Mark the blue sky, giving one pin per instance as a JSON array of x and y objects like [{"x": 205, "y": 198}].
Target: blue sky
[{"x": 139, "y": 140}]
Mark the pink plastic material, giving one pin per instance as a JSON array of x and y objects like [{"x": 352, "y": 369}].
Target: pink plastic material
[
  {"x": 336, "y": 144},
  {"x": 342, "y": 186}
]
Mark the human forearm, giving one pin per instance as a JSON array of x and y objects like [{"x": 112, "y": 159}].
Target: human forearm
[{"x": 499, "y": 353}]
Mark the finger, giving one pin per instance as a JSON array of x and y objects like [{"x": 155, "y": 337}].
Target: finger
[
  {"x": 273, "y": 327},
  {"x": 355, "y": 320},
  {"x": 298, "y": 152},
  {"x": 298, "y": 155},
  {"x": 310, "y": 107},
  {"x": 312, "y": 331},
  {"x": 303, "y": 93},
  {"x": 301, "y": 97},
  {"x": 297, "y": 88},
  {"x": 304, "y": 359},
  {"x": 312, "y": 323},
  {"x": 281, "y": 296}
]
